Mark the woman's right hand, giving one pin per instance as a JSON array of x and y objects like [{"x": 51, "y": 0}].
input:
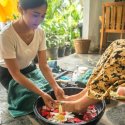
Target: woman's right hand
[{"x": 49, "y": 102}]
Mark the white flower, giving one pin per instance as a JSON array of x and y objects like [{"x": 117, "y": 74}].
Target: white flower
[{"x": 60, "y": 118}]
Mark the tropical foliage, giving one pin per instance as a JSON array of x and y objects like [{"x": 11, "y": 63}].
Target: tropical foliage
[{"x": 61, "y": 22}]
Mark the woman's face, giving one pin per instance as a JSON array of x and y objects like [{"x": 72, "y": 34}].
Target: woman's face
[{"x": 33, "y": 17}]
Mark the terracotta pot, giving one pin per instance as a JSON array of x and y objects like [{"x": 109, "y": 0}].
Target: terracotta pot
[{"x": 81, "y": 46}]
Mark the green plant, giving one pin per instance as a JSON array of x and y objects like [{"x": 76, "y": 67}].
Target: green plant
[
  {"x": 61, "y": 22},
  {"x": 73, "y": 16},
  {"x": 62, "y": 41},
  {"x": 49, "y": 24},
  {"x": 51, "y": 36},
  {"x": 51, "y": 40}
]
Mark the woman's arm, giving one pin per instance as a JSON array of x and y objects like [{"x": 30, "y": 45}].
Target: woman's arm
[
  {"x": 48, "y": 74},
  {"x": 42, "y": 60},
  {"x": 21, "y": 79}
]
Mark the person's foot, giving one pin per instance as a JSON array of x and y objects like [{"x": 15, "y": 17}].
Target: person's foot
[
  {"x": 71, "y": 98},
  {"x": 73, "y": 106},
  {"x": 76, "y": 96}
]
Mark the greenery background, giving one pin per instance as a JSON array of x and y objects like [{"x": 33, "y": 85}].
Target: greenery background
[{"x": 61, "y": 22}]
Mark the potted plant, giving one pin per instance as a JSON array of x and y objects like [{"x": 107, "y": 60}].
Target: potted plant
[
  {"x": 61, "y": 20},
  {"x": 67, "y": 48},
  {"x": 82, "y": 45},
  {"x": 68, "y": 45},
  {"x": 61, "y": 50},
  {"x": 72, "y": 15},
  {"x": 50, "y": 25},
  {"x": 51, "y": 39},
  {"x": 52, "y": 46}
]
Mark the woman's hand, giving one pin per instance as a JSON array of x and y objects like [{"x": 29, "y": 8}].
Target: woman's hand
[
  {"x": 59, "y": 93},
  {"x": 49, "y": 102}
]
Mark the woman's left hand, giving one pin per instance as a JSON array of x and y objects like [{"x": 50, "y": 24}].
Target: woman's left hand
[{"x": 59, "y": 93}]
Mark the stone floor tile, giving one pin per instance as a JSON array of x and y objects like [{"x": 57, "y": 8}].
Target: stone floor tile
[{"x": 19, "y": 121}]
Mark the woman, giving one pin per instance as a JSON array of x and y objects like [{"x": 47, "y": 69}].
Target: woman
[
  {"x": 20, "y": 42},
  {"x": 107, "y": 80}
]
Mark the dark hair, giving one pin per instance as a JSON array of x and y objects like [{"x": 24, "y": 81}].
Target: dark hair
[{"x": 30, "y": 4}]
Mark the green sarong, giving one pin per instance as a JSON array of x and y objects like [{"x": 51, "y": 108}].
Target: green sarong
[{"x": 20, "y": 99}]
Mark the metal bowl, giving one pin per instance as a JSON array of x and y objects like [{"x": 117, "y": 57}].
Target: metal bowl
[{"x": 68, "y": 91}]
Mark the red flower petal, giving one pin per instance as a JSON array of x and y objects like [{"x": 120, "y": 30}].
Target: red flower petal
[
  {"x": 75, "y": 120},
  {"x": 56, "y": 110},
  {"x": 45, "y": 113}
]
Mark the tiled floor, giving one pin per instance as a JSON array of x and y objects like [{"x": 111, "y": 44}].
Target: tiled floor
[{"x": 114, "y": 114}]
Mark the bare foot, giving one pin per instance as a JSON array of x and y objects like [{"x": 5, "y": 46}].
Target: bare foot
[
  {"x": 76, "y": 96},
  {"x": 79, "y": 105},
  {"x": 73, "y": 106}
]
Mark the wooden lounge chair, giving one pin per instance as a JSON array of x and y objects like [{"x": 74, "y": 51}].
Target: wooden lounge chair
[{"x": 112, "y": 21}]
